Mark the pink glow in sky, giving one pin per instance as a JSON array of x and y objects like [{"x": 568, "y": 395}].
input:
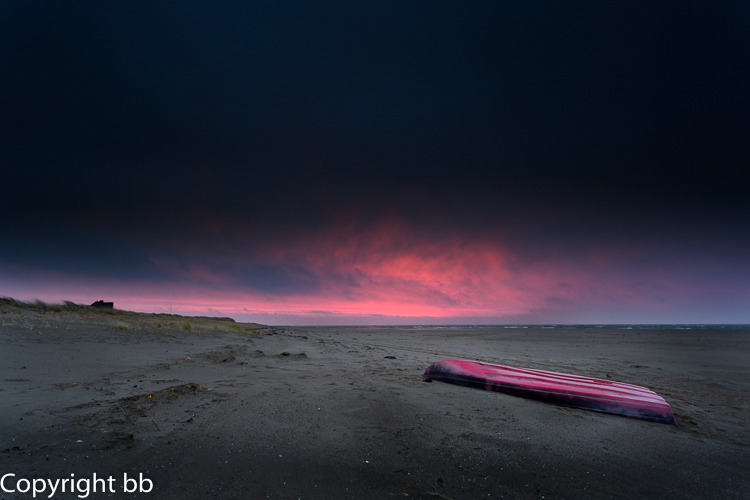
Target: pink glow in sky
[{"x": 390, "y": 273}]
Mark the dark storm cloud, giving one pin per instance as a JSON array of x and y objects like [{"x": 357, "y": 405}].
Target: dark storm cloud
[
  {"x": 84, "y": 255},
  {"x": 187, "y": 125},
  {"x": 73, "y": 252}
]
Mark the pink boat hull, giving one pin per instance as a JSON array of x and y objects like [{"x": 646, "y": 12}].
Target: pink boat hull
[{"x": 556, "y": 388}]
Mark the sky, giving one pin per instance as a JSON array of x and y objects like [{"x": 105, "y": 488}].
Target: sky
[{"x": 405, "y": 162}]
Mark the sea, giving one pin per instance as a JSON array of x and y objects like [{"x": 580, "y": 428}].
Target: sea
[{"x": 564, "y": 326}]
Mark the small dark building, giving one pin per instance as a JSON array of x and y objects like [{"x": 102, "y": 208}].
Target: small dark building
[{"x": 102, "y": 304}]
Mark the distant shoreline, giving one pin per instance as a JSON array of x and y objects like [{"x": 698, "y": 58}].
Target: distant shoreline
[{"x": 676, "y": 326}]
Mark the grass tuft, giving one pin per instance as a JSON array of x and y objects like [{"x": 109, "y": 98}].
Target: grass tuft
[{"x": 41, "y": 306}]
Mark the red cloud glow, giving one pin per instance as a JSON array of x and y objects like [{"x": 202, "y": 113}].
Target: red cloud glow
[{"x": 391, "y": 270}]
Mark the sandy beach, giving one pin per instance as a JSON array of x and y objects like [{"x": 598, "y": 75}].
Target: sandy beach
[{"x": 216, "y": 409}]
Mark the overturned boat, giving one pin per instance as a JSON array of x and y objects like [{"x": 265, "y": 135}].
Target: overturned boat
[{"x": 555, "y": 388}]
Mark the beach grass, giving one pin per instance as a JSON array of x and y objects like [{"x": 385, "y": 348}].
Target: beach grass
[{"x": 130, "y": 320}]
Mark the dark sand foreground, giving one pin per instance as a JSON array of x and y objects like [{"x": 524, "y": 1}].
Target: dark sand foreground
[{"x": 230, "y": 411}]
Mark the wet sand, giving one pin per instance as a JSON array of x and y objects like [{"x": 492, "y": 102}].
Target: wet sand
[{"x": 238, "y": 411}]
